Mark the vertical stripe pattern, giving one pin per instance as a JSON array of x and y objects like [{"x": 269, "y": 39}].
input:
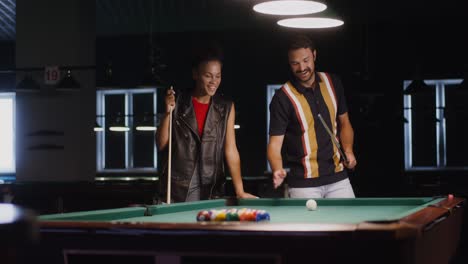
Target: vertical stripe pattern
[
  {"x": 329, "y": 95},
  {"x": 306, "y": 120}
]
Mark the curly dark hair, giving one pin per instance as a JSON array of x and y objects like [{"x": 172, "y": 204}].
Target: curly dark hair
[
  {"x": 211, "y": 51},
  {"x": 300, "y": 41}
]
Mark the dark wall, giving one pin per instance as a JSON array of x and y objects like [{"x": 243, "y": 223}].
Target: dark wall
[
  {"x": 373, "y": 58},
  {"x": 7, "y": 51},
  {"x": 7, "y": 63},
  {"x": 59, "y": 33}
]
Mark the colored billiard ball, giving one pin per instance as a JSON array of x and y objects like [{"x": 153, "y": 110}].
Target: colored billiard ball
[
  {"x": 220, "y": 216},
  {"x": 232, "y": 216},
  {"x": 203, "y": 216},
  {"x": 311, "y": 205}
]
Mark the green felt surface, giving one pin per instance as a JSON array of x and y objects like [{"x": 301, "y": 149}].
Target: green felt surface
[{"x": 346, "y": 211}]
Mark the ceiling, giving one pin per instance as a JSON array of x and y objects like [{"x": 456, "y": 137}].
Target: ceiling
[
  {"x": 127, "y": 17},
  {"x": 136, "y": 17},
  {"x": 130, "y": 17}
]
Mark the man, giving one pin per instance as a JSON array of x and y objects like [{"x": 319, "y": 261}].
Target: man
[
  {"x": 301, "y": 112},
  {"x": 203, "y": 136}
]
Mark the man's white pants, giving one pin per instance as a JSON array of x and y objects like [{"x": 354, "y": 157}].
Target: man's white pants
[{"x": 341, "y": 189}]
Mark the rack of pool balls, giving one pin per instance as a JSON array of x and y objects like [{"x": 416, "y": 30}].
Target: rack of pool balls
[{"x": 233, "y": 214}]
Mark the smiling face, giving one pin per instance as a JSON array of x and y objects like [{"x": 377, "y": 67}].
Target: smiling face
[
  {"x": 207, "y": 78},
  {"x": 302, "y": 63}
]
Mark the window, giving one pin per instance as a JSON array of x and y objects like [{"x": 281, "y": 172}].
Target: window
[
  {"x": 122, "y": 146},
  {"x": 435, "y": 127},
  {"x": 7, "y": 133}
]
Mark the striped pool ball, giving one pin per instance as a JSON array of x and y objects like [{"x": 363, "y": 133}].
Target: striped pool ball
[{"x": 203, "y": 216}]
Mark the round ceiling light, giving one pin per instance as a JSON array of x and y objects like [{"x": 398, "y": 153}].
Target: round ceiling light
[
  {"x": 310, "y": 22},
  {"x": 289, "y": 7}
]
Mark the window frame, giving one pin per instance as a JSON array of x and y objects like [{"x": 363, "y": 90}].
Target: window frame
[
  {"x": 12, "y": 171},
  {"x": 440, "y": 105},
  {"x": 129, "y": 121}
]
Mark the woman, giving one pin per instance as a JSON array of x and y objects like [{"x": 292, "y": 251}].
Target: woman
[{"x": 203, "y": 137}]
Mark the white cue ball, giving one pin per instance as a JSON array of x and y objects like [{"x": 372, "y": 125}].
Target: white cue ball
[{"x": 311, "y": 205}]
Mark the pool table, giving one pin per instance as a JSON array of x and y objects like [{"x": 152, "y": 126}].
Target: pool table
[{"x": 360, "y": 230}]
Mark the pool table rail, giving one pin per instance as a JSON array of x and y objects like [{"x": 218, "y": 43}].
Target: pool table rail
[{"x": 412, "y": 225}]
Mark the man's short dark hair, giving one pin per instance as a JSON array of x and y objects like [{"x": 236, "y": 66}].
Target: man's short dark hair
[
  {"x": 206, "y": 52},
  {"x": 300, "y": 41}
]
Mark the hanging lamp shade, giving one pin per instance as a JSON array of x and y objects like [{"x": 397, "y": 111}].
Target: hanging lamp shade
[
  {"x": 146, "y": 123},
  {"x": 68, "y": 82},
  {"x": 289, "y": 7},
  {"x": 28, "y": 83},
  {"x": 310, "y": 22},
  {"x": 118, "y": 125},
  {"x": 326, "y": 19},
  {"x": 97, "y": 127}
]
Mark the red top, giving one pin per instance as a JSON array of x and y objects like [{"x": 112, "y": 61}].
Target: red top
[{"x": 200, "y": 113}]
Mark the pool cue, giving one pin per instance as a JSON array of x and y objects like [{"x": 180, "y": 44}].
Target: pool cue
[
  {"x": 169, "y": 161},
  {"x": 333, "y": 138}
]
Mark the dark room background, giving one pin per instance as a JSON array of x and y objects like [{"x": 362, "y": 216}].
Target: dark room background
[
  {"x": 379, "y": 46},
  {"x": 104, "y": 45},
  {"x": 376, "y": 49}
]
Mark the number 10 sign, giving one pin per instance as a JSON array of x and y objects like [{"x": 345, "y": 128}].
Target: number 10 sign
[{"x": 51, "y": 75}]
